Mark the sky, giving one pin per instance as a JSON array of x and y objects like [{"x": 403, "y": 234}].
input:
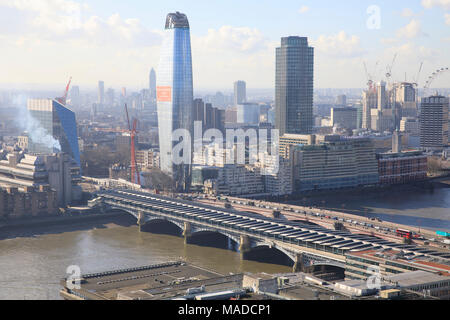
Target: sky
[{"x": 44, "y": 42}]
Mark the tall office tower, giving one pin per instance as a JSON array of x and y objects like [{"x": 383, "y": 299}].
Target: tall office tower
[
  {"x": 152, "y": 84},
  {"x": 381, "y": 94},
  {"x": 434, "y": 122},
  {"x": 57, "y": 130},
  {"x": 294, "y": 85},
  {"x": 75, "y": 100},
  {"x": 240, "y": 92},
  {"x": 124, "y": 92},
  {"x": 110, "y": 95},
  {"x": 101, "y": 92},
  {"x": 175, "y": 95},
  {"x": 369, "y": 102},
  {"x": 341, "y": 100}
]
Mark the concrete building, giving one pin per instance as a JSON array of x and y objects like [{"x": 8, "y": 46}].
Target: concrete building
[
  {"x": 211, "y": 118},
  {"x": 276, "y": 174},
  {"x": 402, "y": 167},
  {"x": 360, "y": 264},
  {"x": 369, "y": 102},
  {"x": 335, "y": 164},
  {"x": 58, "y": 172},
  {"x": 240, "y": 92},
  {"x": 294, "y": 86},
  {"x": 382, "y": 120},
  {"x": 101, "y": 93},
  {"x": 248, "y": 113},
  {"x": 344, "y": 118},
  {"x": 27, "y": 202},
  {"x": 410, "y": 126},
  {"x": 261, "y": 283},
  {"x": 341, "y": 100},
  {"x": 147, "y": 159},
  {"x": 422, "y": 282},
  {"x": 434, "y": 122},
  {"x": 234, "y": 180}
]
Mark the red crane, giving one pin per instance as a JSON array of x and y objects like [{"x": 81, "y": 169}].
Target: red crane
[
  {"x": 135, "y": 176},
  {"x": 63, "y": 99}
]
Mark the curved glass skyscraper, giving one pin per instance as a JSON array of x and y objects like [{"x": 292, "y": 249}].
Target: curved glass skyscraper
[{"x": 175, "y": 95}]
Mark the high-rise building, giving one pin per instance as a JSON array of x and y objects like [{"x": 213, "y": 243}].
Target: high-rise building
[
  {"x": 294, "y": 86},
  {"x": 211, "y": 118},
  {"x": 382, "y": 98},
  {"x": 75, "y": 100},
  {"x": 248, "y": 113},
  {"x": 341, "y": 100},
  {"x": 175, "y": 95},
  {"x": 369, "y": 102},
  {"x": 152, "y": 84},
  {"x": 101, "y": 92},
  {"x": 434, "y": 122},
  {"x": 55, "y": 122},
  {"x": 344, "y": 117},
  {"x": 240, "y": 92},
  {"x": 110, "y": 95}
]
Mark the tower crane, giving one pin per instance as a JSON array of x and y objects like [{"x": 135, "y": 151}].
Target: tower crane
[
  {"x": 135, "y": 176},
  {"x": 389, "y": 69},
  {"x": 63, "y": 99}
]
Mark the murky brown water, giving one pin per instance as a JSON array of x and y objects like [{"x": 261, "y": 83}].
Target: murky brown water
[{"x": 32, "y": 264}]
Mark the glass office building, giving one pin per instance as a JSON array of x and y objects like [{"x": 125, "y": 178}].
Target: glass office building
[
  {"x": 294, "y": 86},
  {"x": 175, "y": 95},
  {"x": 53, "y": 128}
]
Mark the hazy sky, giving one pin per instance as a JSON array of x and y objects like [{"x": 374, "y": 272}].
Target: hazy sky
[{"x": 46, "y": 41}]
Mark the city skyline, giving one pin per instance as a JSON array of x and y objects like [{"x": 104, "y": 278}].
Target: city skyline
[{"x": 97, "y": 35}]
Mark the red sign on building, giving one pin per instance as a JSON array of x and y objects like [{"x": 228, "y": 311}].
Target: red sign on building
[{"x": 164, "y": 94}]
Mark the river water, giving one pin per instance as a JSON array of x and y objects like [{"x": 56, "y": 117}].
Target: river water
[
  {"x": 33, "y": 262},
  {"x": 428, "y": 209}
]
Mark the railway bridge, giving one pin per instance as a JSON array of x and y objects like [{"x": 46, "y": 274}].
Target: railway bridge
[{"x": 306, "y": 245}]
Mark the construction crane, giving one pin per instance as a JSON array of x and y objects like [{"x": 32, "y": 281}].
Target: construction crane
[
  {"x": 63, "y": 99},
  {"x": 389, "y": 69},
  {"x": 135, "y": 175},
  {"x": 369, "y": 78},
  {"x": 416, "y": 79}
]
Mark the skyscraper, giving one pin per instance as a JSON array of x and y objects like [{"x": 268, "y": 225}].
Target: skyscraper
[
  {"x": 101, "y": 92},
  {"x": 294, "y": 86},
  {"x": 152, "y": 84},
  {"x": 434, "y": 122},
  {"x": 240, "y": 92},
  {"x": 175, "y": 95}
]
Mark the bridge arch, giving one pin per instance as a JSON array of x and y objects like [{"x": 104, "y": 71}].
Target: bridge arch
[
  {"x": 269, "y": 253},
  {"x": 213, "y": 238}
]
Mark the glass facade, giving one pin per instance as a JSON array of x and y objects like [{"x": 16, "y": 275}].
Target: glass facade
[
  {"x": 58, "y": 122},
  {"x": 175, "y": 94},
  {"x": 294, "y": 85}
]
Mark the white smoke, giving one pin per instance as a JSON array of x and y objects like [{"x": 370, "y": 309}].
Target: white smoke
[{"x": 26, "y": 122}]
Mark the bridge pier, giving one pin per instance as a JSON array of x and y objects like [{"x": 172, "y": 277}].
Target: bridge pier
[
  {"x": 244, "y": 246},
  {"x": 299, "y": 264},
  {"x": 187, "y": 231},
  {"x": 141, "y": 220}
]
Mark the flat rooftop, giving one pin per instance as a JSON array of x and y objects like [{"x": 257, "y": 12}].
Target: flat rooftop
[
  {"x": 163, "y": 281},
  {"x": 415, "y": 278}
]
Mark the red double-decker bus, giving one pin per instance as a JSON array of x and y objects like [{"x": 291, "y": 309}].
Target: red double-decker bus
[{"x": 404, "y": 233}]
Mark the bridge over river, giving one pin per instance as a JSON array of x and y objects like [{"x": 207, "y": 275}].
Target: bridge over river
[{"x": 306, "y": 245}]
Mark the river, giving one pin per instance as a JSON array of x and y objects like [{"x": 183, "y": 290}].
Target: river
[
  {"x": 33, "y": 262},
  {"x": 428, "y": 209}
]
